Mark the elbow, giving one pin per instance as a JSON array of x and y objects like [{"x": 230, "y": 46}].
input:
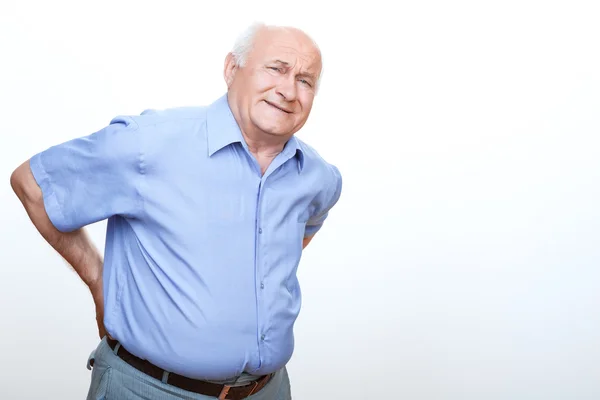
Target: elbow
[
  {"x": 16, "y": 181},
  {"x": 20, "y": 182}
]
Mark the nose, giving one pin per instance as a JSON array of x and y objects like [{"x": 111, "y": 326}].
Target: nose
[{"x": 287, "y": 88}]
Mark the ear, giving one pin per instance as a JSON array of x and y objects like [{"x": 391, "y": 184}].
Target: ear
[{"x": 229, "y": 70}]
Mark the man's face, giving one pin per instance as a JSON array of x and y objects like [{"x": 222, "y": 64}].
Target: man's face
[{"x": 274, "y": 91}]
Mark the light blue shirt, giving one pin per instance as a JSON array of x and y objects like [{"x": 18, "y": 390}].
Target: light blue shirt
[{"x": 201, "y": 249}]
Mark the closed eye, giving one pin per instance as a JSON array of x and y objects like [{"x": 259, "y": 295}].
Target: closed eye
[{"x": 305, "y": 82}]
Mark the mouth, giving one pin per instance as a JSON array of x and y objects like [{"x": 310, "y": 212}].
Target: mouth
[{"x": 277, "y": 107}]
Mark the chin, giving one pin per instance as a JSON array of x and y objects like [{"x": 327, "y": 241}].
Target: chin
[{"x": 275, "y": 129}]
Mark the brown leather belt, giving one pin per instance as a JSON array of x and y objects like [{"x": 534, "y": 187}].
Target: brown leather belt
[{"x": 193, "y": 385}]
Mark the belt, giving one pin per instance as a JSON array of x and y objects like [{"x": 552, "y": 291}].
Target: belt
[{"x": 219, "y": 391}]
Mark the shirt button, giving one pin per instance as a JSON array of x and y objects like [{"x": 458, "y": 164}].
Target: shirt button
[
  {"x": 259, "y": 230},
  {"x": 262, "y": 337},
  {"x": 262, "y": 285}
]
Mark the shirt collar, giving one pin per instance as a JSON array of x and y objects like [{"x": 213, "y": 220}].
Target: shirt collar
[
  {"x": 223, "y": 130},
  {"x": 293, "y": 148}
]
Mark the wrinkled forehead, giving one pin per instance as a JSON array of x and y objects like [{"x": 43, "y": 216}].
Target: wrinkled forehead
[{"x": 287, "y": 45}]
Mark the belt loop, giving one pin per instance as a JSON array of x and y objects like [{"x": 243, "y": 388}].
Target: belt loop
[
  {"x": 165, "y": 376},
  {"x": 254, "y": 387},
  {"x": 116, "y": 349},
  {"x": 223, "y": 394}
]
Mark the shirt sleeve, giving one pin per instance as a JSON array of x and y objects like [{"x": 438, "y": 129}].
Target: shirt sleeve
[
  {"x": 315, "y": 222},
  {"x": 91, "y": 178}
]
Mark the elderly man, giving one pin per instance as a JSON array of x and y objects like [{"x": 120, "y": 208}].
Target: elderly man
[{"x": 209, "y": 209}]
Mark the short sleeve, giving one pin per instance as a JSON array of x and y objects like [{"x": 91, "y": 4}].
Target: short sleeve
[
  {"x": 315, "y": 222},
  {"x": 91, "y": 178}
]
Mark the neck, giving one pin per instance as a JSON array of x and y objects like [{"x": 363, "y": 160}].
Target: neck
[{"x": 264, "y": 146}]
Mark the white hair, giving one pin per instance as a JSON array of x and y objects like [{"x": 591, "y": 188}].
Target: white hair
[{"x": 244, "y": 43}]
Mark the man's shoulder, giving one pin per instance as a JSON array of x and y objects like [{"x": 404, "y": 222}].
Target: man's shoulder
[
  {"x": 324, "y": 175},
  {"x": 167, "y": 130},
  {"x": 181, "y": 115},
  {"x": 315, "y": 161}
]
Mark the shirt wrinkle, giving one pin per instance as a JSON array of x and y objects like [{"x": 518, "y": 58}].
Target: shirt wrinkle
[{"x": 226, "y": 240}]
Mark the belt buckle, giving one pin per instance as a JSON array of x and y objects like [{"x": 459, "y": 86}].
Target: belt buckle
[{"x": 224, "y": 391}]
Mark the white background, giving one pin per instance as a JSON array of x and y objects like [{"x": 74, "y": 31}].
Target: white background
[{"x": 462, "y": 261}]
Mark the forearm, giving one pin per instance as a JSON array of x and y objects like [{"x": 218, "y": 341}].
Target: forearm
[
  {"x": 75, "y": 247},
  {"x": 306, "y": 241}
]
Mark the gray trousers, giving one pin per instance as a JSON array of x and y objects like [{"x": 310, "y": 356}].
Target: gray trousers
[{"x": 114, "y": 379}]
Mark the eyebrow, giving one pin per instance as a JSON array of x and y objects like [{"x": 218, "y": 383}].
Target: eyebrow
[
  {"x": 303, "y": 74},
  {"x": 308, "y": 75}
]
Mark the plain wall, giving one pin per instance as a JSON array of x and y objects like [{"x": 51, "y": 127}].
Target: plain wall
[{"x": 462, "y": 261}]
